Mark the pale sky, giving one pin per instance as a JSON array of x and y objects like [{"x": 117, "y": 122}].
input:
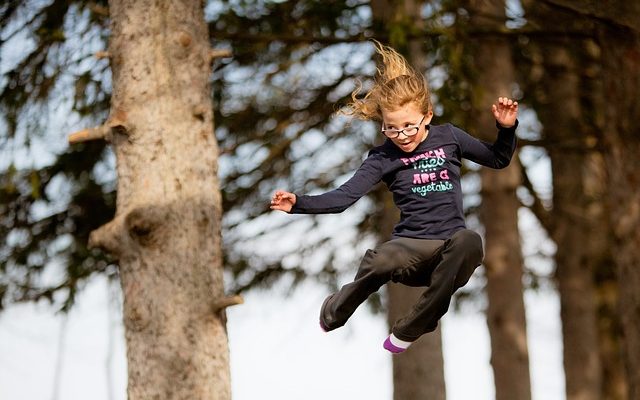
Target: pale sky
[{"x": 277, "y": 351}]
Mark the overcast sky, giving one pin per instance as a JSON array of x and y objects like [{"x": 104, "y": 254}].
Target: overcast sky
[{"x": 277, "y": 351}]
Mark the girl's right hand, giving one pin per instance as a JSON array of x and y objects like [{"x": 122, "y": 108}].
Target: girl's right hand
[
  {"x": 505, "y": 111},
  {"x": 283, "y": 201}
]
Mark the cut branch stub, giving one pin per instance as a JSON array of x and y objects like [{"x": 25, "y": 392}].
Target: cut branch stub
[
  {"x": 108, "y": 237},
  {"x": 99, "y": 10},
  {"x": 219, "y": 53},
  {"x": 101, "y": 54},
  {"x": 115, "y": 124},
  {"x": 138, "y": 225},
  {"x": 99, "y": 132},
  {"x": 143, "y": 222},
  {"x": 118, "y": 126},
  {"x": 184, "y": 39},
  {"x": 224, "y": 302}
]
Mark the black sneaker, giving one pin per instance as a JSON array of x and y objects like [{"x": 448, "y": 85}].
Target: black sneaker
[{"x": 326, "y": 321}]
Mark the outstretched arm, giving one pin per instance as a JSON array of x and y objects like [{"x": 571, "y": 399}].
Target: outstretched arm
[
  {"x": 505, "y": 111},
  {"x": 334, "y": 201}
]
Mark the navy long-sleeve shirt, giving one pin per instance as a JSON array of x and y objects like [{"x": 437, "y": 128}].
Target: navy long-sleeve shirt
[{"x": 425, "y": 183}]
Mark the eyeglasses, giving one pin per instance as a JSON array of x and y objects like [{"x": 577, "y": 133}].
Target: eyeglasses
[{"x": 408, "y": 131}]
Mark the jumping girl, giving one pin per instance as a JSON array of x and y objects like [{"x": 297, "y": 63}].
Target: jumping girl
[{"x": 420, "y": 164}]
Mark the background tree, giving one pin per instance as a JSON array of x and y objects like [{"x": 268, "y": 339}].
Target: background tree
[
  {"x": 493, "y": 66},
  {"x": 419, "y": 373},
  {"x": 619, "y": 140},
  {"x": 166, "y": 231},
  {"x": 562, "y": 65}
]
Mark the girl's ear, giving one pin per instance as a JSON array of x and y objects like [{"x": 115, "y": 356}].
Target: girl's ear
[{"x": 428, "y": 117}]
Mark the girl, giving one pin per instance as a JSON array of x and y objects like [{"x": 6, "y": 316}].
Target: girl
[{"x": 420, "y": 164}]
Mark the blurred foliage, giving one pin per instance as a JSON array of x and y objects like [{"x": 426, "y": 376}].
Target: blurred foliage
[
  {"x": 294, "y": 63},
  {"x": 51, "y": 197}
]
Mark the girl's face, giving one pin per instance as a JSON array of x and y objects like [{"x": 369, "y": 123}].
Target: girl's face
[{"x": 405, "y": 118}]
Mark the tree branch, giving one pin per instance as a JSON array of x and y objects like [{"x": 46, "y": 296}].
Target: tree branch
[
  {"x": 219, "y": 53},
  {"x": 115, "y": 124},
  {"x": 99, "y": 9},
  {"x": 597, "y": 11},
  {"x": 101, "y": 54},
  {"x": 109, "y": 236},
  {"x": 99, "y": 132},
  {"x": 291, "y": 38},
  {"x": 570, "y": 145},
  {"x": 537, "y": 208},
  {"x": 224, "y": 302}
]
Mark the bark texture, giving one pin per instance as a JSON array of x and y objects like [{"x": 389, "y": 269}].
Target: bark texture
[
  {"x": 574, "y": 222},
  {"x": 621, "y": 72},
  {"x": 619, "y": 39},
  {"x": 503, "y": 264},
  {"x": 499, "y": 214},
  {"x": 568, "y": 96},
  {"x": 618, "y": 35},
  {"x": 419, "y": 372},
  {"x": 166, "y": 232}
]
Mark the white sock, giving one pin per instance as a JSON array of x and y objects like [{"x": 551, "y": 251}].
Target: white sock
[{"x": 399, "y": 343}]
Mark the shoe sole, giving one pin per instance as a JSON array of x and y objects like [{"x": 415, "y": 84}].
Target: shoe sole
[{"x": 325, "y": 326}]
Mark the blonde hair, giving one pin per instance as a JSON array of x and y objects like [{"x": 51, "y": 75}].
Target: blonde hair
[{"x": 396, "y": 84}]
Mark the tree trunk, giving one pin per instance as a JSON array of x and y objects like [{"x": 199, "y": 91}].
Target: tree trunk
[
  {"x": 580, "y": 226},
  {"x": 574, "y": 225},
  {"x": 166, "y": 232},
  {"x": 503, "y": 264},
  {"x": 619, "y": 38},
  {"x": 613, "y": 374},
  {"x": 419, "y": 372},
  {"x": 621, "y": 73},
  {"x": 499, "y": 215}
]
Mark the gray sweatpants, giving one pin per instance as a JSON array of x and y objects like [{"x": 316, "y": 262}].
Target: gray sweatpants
[{"x": 443, "y": 266}]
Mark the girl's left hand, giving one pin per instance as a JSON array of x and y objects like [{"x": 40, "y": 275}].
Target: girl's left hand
[
  {"x": 283, "y": 201},
  {"x": 505, "y": 111}
]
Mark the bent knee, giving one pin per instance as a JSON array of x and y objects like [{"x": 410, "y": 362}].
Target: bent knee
[
  {"x": 376, "y": 263},
  {"x": 470, "y": 242}
]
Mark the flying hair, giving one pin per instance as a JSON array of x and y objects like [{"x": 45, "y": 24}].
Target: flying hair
[{"x": 396, "y": 84}]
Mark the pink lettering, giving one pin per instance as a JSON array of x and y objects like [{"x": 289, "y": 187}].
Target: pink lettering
[
  {"x": 424, "y": 178},
  {"x": 427, "y": 154}
]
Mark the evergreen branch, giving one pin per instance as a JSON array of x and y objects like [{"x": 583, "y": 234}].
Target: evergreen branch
[
  {"x": 429, "y": 33},
  {"x": 568, "y": 144},
  {"x": 590, "y": 10},
  {"x": 537, "y": 208}
]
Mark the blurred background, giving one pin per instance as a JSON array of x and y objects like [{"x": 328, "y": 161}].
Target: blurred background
[{"x": 550, "y": 315}]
